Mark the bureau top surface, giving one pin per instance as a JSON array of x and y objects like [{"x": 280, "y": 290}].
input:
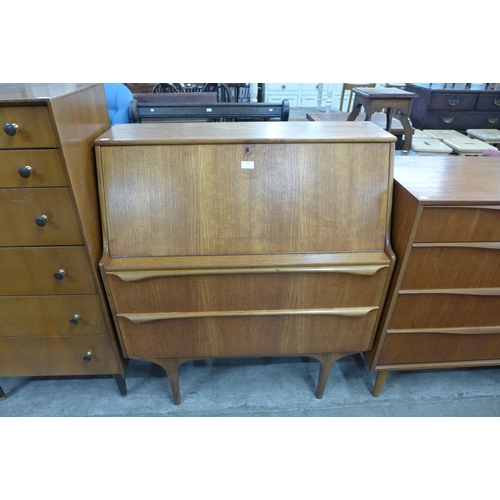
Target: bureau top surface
[
  {"x": 450, "y": 179},
  {"x": 26, "y": 92},
  {"x": 242, "y": 132},
  {"x": 457, "y": 87}
]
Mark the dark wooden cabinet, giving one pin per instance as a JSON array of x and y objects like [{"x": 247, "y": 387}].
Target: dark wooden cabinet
[
  {"x": 443, "y": 305},
  {"x": 246, "y": 239},
  {"x": 454, "y": 107},
  {"x": 54, "y": 315}
]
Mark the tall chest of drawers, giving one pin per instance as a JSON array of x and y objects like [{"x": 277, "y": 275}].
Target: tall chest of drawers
[
  {"x": 54, "y": 317},
  {"x": 454, "y": 108},
  {"x": 245, "y": 239},
  {"x": 443, "y": 305}
]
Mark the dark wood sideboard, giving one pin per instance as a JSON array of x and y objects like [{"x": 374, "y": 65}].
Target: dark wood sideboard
[{"x": 454, "y": 107}]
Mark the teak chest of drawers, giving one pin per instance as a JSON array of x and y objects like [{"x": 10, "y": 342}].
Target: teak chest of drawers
[
  {"x": 245, "y": 239},
  {"x": 54, "y": 317},
  {"x": 443, "y": 305}
]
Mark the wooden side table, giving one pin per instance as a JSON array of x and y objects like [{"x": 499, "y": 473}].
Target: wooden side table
[{"x": 377, "y": 99}]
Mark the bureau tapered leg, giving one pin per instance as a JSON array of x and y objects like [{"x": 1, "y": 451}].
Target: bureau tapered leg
[
  {"x": 2, "y": 394},
  {"x": 171, "y": 366},
  {"x": 122, "y": 385},
  {"x": 379, "y": 383},
  {"x": 326, "y": 361}
]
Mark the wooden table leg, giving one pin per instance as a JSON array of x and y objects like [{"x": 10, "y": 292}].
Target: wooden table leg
[
  {"x": 326, "y": 361},
  {"x": 171, "y": 365},
  {"x": 379, "y": 382},
  {"x": 122, "y": 385},
  {"x": 407, "y": 131}
]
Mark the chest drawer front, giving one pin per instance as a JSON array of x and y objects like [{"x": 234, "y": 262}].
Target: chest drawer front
[
  {"x": 455, "y": 224},
  {"x": 452, "y": 120},
  {"x": 237, "y": 336},
  {"x": 248, "y": 291},
  {"x": 488, "y": 101},
  {"x": 35, "y": 129},
  {"x": 30, "y": 271},
  {"x": 38, "y": 216},
  {"x": 453, "y": 101},
  {"x": 51, "y": 315},
  {"x": 417, "y": 311},
  {"x": 52, "y": 356},
  {"x": 402, "y": 348},
  {"x": 452, "y": 267},
  {"x": 45, "y": 168}
]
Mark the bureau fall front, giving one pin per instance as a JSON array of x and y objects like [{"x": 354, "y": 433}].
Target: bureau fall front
[{"x": 245, "y": 239}]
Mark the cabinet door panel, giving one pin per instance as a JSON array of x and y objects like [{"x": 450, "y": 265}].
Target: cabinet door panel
[
  {"x": 46, "y": 168},
  {"x": 239, "y": 336},
  {"x": 51, "y": 356},
  {"x": 30, "y": 271},
  {"x": 416, "y": 311},
  {"x": 248, "y": 291},
  {"x": 21, "y": 211},
  {"x": 455, "y": 224},
  {"x": 190, "y": 193},
  {"x": 438, "y": 347},
  {"x": 50, "y": 315},
  {"x": 35, "y": 127},
  {"x": 452, "y": 267}
]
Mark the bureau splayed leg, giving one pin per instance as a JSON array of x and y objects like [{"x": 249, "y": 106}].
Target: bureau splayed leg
[{"x": 326, "y": 361}]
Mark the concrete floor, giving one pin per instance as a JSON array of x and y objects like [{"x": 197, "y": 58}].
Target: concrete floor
[{"x": 259, "y": 387}]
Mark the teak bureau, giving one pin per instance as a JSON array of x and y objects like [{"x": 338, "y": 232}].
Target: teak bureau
[
  {"x": 54, "y": 317},
  {"x": 245, "y": 239}
]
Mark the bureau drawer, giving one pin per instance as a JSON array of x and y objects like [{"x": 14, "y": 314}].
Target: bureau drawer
[
  {"x": 38, "y": 216},
  {"x": 456, "y": 120},
  {"x": 488, "y": 101},
  {"x": 445, "y": 310},
  {"x": 50, "y": 315},
  {"x": 453, "y": 101},
  {"x": 35, "y": 129},
  {"x": 455, "y": 224},
  {"x": 30, "y": 271},
  {"x": 247, "y": 290},
  {"x": 46, "y": 168},
  {"x": 452, "y": 267},
  {"x": 51, "y": 356},
  {"x": 402, "y": 348},
  {"x": 247, "y": 336}
]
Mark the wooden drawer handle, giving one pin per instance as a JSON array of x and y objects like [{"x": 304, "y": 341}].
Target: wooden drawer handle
[
  {"x": 453, "y": 101},
  {"x": 41, "y": 221},
  {"x": 11, "y": 128},
  {"x": 355, "y": 312},
  {"x": 59, "y": 276},
  {"x": 75, "y": 319},
  {"x": 25, "y": 172},
  {"x": 365, "y": 270}
]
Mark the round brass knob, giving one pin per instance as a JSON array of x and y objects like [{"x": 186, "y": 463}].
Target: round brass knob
[
  {"x": 74, "y": 320},
  {"x": 88, "y": 356},
  {"x": 11, "y": 128},
  {"x": 41, "y": 221},
  {"x": 25, "y": 172},
  {"x": 59, "y": 276}
]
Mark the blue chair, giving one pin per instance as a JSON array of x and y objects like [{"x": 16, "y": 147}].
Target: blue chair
[{"x": 118, "y": 97}]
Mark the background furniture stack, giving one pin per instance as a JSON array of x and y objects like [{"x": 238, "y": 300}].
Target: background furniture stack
[
  {"x": 245, "y": 239},
  {"x": 443, "y": 306},
  {"x": 455, "y": 106},
  {"x": 53, "y": 312}
]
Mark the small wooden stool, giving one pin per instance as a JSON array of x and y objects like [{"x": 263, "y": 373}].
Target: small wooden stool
[{"x": 376, "y": 99}]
